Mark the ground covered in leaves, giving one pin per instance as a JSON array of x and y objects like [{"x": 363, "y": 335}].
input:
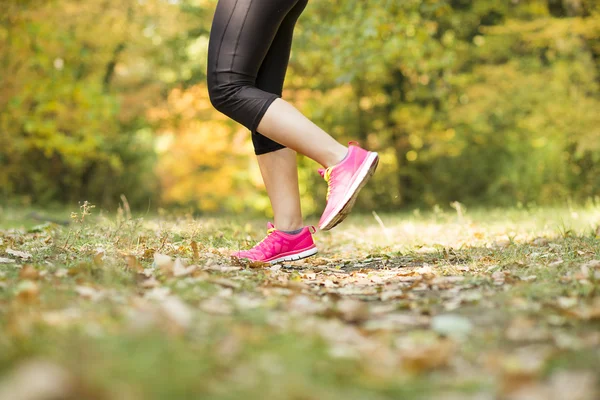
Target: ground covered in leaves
[{"x": 453, "y": 304}]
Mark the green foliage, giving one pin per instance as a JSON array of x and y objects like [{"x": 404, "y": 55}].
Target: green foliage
[
  {"x": 67, "y": 133},
  {"x": 120, "y": 307},
  {"x": 480, "y": 101},
  {"x": 466, "y": 100}
]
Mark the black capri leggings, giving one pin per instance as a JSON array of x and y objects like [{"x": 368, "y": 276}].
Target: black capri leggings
[{"x": 248, "y": 55}]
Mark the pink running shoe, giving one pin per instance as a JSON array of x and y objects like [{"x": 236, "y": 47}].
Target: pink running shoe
[
  {"x": 345, "y": 181},
  {"x": 279, "y": 246}
]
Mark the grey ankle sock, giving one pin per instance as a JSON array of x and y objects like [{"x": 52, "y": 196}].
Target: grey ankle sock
[{"x": 297, "y": 231}]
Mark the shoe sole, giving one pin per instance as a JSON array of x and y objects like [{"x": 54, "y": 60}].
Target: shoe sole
[
  {"x": 364, "y": 174},
  {"x": 295, "y": 257}
]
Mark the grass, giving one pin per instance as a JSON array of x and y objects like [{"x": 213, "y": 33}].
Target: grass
[{"x": 473, "y": 304}]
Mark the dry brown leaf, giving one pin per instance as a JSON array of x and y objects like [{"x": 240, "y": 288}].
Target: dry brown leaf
[
  {"x": 29, "y": 272},
  {"x": 150, "y": 283},
  {"x": 526, "y": 329},
  {"x": 522, "y": 367},
  {"x": 148, "y": 254},
  {"x": 587, "y": 312},
  {"x": 303, "y": 304},
  {"x": 178, "y": 313},
  {"x": 28, "y": 291},
  {"x": 388, "y": 295},
  {"x": 99, "y": 257},
  {"x": 215, "y": 305},
  {"x": 133, "y": 264},
  {"x": 556, "y": 263},
  {"x": 89, "y": 293},
  {"x": 428, "y": 357},
  {"x": 180, "y": 269},
  {"x": 195, "y": 252},
  {"x": 353, "y": 311},
  {"x": 452, "y": 325},
  {"x": 287, "y": 284},
  {"x": 574, "y": 385},
  {"x": 225, "y": 282},
  {"x": 426, "y": 272},
  {"x": 529, "y": 278},
  {"x": 16, "y": 253},
  {"x": 37, "y": 380},
  {"x": 328, "y": 283},
  {"x": 158, "y": 293},
  {"x": 164, "y": 263},
  {"x": 317, "y": 261},
  {"x": 258, "y": 264},
  {"x": 61, "y": 318}
]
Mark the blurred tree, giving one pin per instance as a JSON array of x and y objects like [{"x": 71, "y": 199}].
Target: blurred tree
[
  {"x": 411, "y": 72},
  {"x": 75, "y": 81},
  {"x": 469, "y": 100}
]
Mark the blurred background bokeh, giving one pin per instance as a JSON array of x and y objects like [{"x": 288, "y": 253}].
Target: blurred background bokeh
[{"x": 485, "y": 102}]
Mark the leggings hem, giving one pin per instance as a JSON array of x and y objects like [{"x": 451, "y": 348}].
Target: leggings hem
[
  {"x": 263, "y": 110},
  {"x": 270, "y": 149},
  {"x": 273, "y": 146}
]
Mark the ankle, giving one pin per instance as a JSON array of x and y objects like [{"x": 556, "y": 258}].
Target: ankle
[
  {"x": 336, "y": 156},
  {"x": 289, "y": 226}
]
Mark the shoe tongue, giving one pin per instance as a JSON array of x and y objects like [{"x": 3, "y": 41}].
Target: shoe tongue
[
  {"x": 270, "y": 226},
  {"x": 322, "y": 172}
]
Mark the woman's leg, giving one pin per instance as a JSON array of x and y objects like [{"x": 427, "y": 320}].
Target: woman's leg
[
  {"x": 278, "y": 165},
  {"x": 241, "y": 37},
  {"x": 285, "y": 124},
  {"x": 280, "y": 173}
]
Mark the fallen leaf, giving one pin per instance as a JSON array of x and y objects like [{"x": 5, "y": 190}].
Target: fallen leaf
[
  {"x": 216, "y": 305},
  {"x": 177, "y": 312},
  {"x": 452, "y": 325},
  {"x": 427, "y": 357},
  {"x": 89, "y": 293},
  {"x": 37, "y": 380},
  {"x": 526, "y": 329},
  {"x": 150, "y": 283},
  {"x": 99, "y": 257},
  {"x": 29, "y": 272},
  {"x": 529, "y": 278},
  {"x": 21, "y": 254},
  {"x": 179, "y": 268},
  {"x": 61, "y": 272},
  {"x": 567, "y": 302},
  {"x": 28, "y": 291},
  {"x": 258, "y": 264},
  {"x": 158, "y": 293},
  {"x": 353, "y": 311},
  {"x": 499, "y": 277},
  {"x": 164, "y": 263},
  {"x": 328, "y": 283},
  {"x": 225, "y": 282},
  {"x": 426, "y": 272},
  {"x": 556, "y": 263},
  {"x": 574, "y": 385},
  {"x": 287, "y": 284},
  {"x": 61, "y": 318},
  {"x": 133, "y": 264},
  {"x": 522, "y": 367},
  {"x": 303, "y": 304},
  {"x": 195, "y": 252}
]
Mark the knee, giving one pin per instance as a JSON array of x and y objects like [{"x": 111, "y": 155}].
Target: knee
[{"x": 219, "y": 95}]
